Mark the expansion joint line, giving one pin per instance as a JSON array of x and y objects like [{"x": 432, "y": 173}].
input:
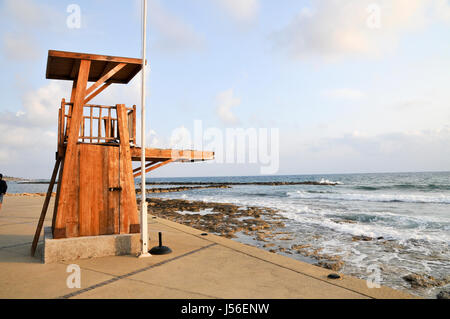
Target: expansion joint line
[{"x": 117, "y": 278}]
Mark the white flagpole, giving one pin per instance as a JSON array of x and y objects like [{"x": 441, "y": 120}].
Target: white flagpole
[{"x": 144, "y": 225}]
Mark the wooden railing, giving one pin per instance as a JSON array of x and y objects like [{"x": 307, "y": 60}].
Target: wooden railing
[{"x": 98, "y": 125}]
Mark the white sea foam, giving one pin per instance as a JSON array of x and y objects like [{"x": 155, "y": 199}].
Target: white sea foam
[
  {"x": 407, "y": 198},
  {"x": 328, "y": 182}
]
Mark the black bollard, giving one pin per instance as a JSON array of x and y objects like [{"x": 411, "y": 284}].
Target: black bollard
[{"x": 160, "y": 250}]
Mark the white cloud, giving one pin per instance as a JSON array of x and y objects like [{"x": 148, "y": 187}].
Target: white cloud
[
  {"x": 225, "y": 102},
  {"x": 29, "y": 13},
  {"x": 26, "y": 17},
  {"x": 241, "y": 10},
  {"x": 422, "y": 150},
  {"x": 41, "y": 106},
  {"x": 333, "y": 29},
  {"x": 173, "y": 33},
  {"x": 344, "y": 93}
]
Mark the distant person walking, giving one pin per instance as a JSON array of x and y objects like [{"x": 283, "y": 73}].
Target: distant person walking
[{"x": 3, "y": 189}]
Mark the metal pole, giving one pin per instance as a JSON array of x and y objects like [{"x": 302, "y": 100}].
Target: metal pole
[{"x": 144, "y": 225}]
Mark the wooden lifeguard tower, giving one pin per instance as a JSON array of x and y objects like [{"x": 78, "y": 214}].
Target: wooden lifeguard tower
[{"x": 96, "y": 146}]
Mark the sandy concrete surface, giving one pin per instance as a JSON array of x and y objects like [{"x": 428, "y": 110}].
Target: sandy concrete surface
[{"x": 199, "y": 267}]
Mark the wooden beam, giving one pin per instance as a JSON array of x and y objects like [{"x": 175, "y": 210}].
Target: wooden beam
[
  {"x": 58, "y": 192},
  {"x": 155, "y": 167},
  {"x": 106, "y": 77},
  {"x": 146, "y": 166},
  {"x": 45, "y": 207},
  {"x": 93, "y": 57},
  {"x": 162, "y": 154},
  {"x": 100, "y": 90},
  {"x": 67, "y": 215},
  {"x": 128, "y": 214}
]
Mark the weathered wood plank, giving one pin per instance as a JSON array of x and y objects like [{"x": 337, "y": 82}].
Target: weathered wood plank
[
  {"x": 45, "y": 208},
  {"x": 105, "y": 78},
  {"x": 67, "y": 215},
  {"x": 128, "y": 205}
]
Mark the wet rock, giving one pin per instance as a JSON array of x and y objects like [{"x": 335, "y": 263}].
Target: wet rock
[
  {"x": 224, "y": 219},
  {"x": 335, "y": 266},
  {"x": 300, "y": 247},
  {"x": 361, "y": 238},
  {"x": 445, "y": 294},
  {"x": 424, "y": 281},
  {"x": 344, "y": 221}
]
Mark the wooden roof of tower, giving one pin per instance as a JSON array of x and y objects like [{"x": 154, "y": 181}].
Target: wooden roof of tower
[{"x": 62, "y": 65}]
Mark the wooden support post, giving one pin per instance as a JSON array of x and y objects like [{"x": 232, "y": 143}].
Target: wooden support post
[
  {"x": 129, "y": 220},
  {"x": 45, "y": 207},
  {"x": 67, "y": 215},
  {"x": 58, "y": 192}
]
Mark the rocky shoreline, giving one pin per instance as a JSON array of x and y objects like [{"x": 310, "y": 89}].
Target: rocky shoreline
[
  {"x": 261, "y": 224},
  {"x": 179, "y": 189},
  {"x": 28, "y": 194}
]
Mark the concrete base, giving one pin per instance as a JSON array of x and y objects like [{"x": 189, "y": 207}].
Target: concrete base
[{"x": 70, "y": 249}]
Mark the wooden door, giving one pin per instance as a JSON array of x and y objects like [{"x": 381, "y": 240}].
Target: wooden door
[{"x": 99, "y": 192}]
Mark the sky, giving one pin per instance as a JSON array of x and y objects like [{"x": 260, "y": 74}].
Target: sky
[{"x": 352, "y": 86}]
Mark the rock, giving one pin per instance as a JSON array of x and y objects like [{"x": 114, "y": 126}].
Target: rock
[
  {"x": 344, "y": 221},
  {"x": 445, "y": 294},
  {"x": 423, "y": 281},
  {"x": 361, "y": 238},
  {"x": 336, "y": 265},
  {"x": 299, "y": 247}
]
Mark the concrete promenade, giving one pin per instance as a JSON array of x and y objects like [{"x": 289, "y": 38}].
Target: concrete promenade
[{"x": 199, "y": 267}]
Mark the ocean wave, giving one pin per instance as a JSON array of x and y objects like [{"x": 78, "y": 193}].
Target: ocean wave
[
  {"x": 388, "y": 198},
  {"x": 398, "y": 228},
  {"x": 420, "y": 187},
  {"x": 328, "y": 182}
]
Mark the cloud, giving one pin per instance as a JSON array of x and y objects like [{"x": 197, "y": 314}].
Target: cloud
[
  {"x": 240, "y": 10},
  {"x": 173, "y": 33},
  {"x": 225, "y": 102},
  {"x": 334, "y": 29},
  {"x": 423, "y": 150},
  {"x": 40, "y": 107},
  {"x": 344, "y": 93},
  {"x": 26, "y": 17},
  {"x": 29, "y": 13},
  {"x": 28, "y": 135}
]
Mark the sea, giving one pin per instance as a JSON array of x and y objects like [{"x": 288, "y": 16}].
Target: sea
[{"x": 406, "y": 215}]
